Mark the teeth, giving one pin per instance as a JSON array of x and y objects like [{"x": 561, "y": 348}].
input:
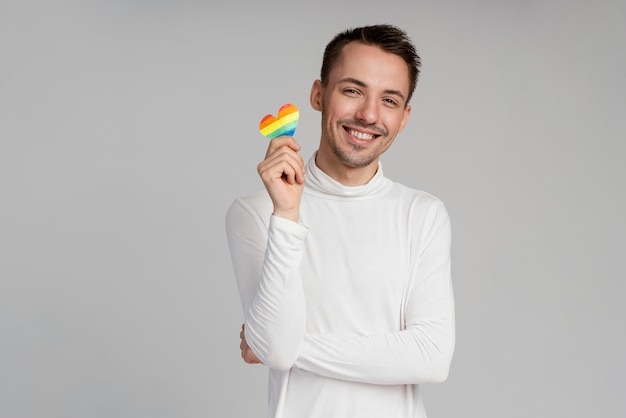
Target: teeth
[{"x": 360, "y": 135}]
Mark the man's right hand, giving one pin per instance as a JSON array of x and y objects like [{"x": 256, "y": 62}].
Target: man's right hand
[{"x": 282, "y": 172}]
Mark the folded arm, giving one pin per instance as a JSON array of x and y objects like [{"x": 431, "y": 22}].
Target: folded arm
[
  {"x": 275, "y": 322},
  {"x": 419, "y": 353}
]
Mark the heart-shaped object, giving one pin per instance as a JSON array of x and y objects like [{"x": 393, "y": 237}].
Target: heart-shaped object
[{"x": 285, "y": 125}]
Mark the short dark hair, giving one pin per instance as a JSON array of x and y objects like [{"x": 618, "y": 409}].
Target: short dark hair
[{"x": 387, "y": 37}]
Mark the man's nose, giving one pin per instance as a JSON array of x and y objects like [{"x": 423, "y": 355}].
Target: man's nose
[{"x": 368, "y": 111}]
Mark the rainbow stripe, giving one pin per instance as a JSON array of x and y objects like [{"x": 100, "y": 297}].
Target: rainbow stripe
[{"x": 285, "y": 125}]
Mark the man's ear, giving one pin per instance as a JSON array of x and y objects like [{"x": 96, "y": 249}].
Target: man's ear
[
  {"x": 405, "y": 117},
  {"x": 317, "y": 91}
]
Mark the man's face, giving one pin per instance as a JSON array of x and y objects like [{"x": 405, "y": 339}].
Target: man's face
[{"x": 363, "y": 105}]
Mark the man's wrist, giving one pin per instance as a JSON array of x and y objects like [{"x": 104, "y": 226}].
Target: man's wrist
[{"x": 291, "y": 215}]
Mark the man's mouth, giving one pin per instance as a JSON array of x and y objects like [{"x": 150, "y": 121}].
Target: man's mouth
[{"x": 361, "y": 135}]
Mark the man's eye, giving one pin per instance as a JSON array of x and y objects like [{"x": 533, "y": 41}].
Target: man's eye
[{"x": 390, "y": 102}]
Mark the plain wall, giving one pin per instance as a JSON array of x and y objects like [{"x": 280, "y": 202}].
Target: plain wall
[{"x": 128, "y": 127}]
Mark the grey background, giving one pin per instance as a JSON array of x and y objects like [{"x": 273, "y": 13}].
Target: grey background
[{"x": 128, "y": 127}]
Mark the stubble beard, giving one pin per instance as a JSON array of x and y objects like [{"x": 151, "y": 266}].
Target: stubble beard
[{"x": 353, "y": 157}]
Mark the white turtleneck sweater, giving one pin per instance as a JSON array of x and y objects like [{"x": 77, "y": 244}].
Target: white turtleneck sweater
[{"x": 351, "y": 308}]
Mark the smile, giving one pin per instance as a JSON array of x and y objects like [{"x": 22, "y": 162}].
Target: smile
[{"x": 361, "y": 135}]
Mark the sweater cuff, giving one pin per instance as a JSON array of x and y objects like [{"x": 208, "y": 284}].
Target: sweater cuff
[{"x": 288, "y": 228}]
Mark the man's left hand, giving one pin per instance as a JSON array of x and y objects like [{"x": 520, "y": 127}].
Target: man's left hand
[{"x": 246, "y": 353}]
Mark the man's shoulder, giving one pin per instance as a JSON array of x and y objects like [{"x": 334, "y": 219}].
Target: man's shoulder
[
  {"x": 258, "y": 203},
  {"x": 420, "y": 205},
  {"x": 410, "y": 194},
  {"x": 256, "y": 199}
]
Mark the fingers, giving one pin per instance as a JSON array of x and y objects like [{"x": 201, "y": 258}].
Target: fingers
[
  {"x": 246, "y": 353},
  {"x": 282, "y": 172},
  {"x": 283, "y": 162},
  {"x": 249, "y": 357},
  {"x": 282, "y": 141}
]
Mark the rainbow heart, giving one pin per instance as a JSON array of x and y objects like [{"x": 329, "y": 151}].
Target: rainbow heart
[{"x": 285, "y": 125}]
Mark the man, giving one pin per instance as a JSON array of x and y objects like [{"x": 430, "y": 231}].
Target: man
[{"x": 344, "y": 275}]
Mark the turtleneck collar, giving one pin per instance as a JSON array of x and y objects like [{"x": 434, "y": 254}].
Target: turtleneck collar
[{"x": 321, "y": 184}]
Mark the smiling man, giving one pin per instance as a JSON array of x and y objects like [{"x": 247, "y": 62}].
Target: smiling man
[{"x": 344, "y": 275}]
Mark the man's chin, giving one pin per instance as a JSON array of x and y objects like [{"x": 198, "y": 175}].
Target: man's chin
[{"x": 354, "y": 161}]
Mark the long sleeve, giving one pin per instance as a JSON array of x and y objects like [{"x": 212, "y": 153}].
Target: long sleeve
[
  {"x": 355, "y": 310},
  {"x": 419, "y": 353},
  {"x": 266, "y": 260}
]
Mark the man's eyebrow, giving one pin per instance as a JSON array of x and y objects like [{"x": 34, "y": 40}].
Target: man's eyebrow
[
  {"x": 353, "y": 81},
  {"x": 362, "y": 84}
]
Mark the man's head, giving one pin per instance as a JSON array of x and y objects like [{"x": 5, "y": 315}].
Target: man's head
[
  {"x": 386, "y": 37},
  {"x": 363, "y": 98}
]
